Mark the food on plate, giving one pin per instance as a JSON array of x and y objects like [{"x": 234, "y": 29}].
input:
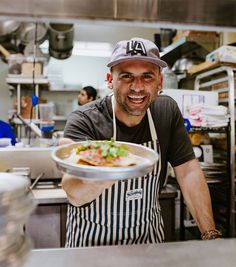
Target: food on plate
[{"x": 105, "y": 153}]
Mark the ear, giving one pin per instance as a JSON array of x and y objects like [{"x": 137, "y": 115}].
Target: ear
[
  {"x": 109, "y": 80},
  {"x": 90, "y": 99}
]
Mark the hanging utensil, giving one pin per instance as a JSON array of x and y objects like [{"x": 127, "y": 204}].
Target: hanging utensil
[
  {"x": 8, "y": 29},
  {"x": 61, "y": 37},
  {"x": 29, "y": 31}
]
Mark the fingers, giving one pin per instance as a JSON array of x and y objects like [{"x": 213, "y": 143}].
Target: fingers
[{"x": 64, "y": 141}]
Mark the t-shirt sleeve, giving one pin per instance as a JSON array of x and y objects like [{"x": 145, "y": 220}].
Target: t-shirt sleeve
[
  {"x": 78, "y": 127},
  {"x": 180, "y": 147}
]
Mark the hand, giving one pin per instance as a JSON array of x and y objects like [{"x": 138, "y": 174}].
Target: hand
[
  {"x": 80, "y": 191},
  {"x": 64, "y": 141}
]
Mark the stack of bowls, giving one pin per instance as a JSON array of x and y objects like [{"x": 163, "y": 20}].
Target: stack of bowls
[{"x": 16, "y": 203}]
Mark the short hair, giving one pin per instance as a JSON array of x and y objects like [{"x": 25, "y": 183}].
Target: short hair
[{"x": 91, "y": 91}]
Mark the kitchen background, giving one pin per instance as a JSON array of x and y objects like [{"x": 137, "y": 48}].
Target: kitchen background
[{"x": 66, "y": 77}]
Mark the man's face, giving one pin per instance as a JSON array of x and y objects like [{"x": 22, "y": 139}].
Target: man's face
[
  {"x": 83, "y": 97},
  {"x": 135, "y": 85}
]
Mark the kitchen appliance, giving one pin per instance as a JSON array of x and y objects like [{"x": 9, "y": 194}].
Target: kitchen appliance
[
  {"x": 16, "y": 203},
  {"x": 36, "y": 160},
  {"x": 182, "y": 64},
  {"x": 33, "y": 32},
  {"x": 61, "y": 37}
]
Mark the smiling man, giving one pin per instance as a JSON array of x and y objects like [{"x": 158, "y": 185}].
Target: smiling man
[{"x": 106, "y": 212}]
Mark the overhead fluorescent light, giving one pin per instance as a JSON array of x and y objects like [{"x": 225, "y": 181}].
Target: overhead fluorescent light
[{"x": 91, "y": 49}]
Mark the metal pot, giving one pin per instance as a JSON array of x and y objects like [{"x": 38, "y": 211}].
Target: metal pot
[
  {"x": 61, "y": 37},
  {"x": 7, "y": 29},
  {"x": 28, "y": 33},
  {"x": 183, "y": 64}
]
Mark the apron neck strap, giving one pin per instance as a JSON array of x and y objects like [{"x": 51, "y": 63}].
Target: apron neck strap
[
  {"x": 114, "y": 116},
  {"x": 151, "y": 125},
  {"x": 150, "y": 121}
]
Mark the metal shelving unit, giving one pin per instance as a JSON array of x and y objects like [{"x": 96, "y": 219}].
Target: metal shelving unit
[
  {"x": 20, "y": 80},
  {"x": 224, "y": 75}
]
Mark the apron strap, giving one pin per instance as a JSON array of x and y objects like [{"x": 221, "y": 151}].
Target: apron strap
[
  {"x": 114, "y": 116},
  {"x": 152, "y": 126},
  {"x": 150, "y": 121}
]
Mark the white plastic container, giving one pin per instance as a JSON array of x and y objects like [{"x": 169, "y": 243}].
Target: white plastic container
[{"x": 46, "y": 111}]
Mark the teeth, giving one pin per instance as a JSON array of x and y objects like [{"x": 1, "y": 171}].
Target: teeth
[{"x": 136, "y": 97}]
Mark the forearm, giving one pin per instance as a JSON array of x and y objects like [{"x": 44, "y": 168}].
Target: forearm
[
  {"x": 80, "y": 192},
  {"x": 196, "y": 195}
]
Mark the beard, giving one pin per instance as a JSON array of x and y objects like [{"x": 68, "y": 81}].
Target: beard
[{"x": 132, "y": 110}]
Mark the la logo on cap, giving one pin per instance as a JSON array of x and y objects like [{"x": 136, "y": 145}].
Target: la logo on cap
[{"x": 135, "y": 48}]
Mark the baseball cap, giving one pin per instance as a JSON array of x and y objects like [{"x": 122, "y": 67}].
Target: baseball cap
[{"x": 136, "y": 49}]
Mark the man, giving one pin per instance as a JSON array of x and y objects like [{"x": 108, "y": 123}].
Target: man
[
  {"x": 86, "y": 95},
  {"x": 103, "y": 213}
]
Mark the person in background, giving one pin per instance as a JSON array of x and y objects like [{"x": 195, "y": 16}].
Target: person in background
[
  {"x": 6, "y": 131},
  {"x": 86, "y": 95},
  {"x": 128, "y": 211}
]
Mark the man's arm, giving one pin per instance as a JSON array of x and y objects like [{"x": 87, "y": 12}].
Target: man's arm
[
  {"x": 196, "y": 194},
  {"x": 80, "y": 192}
]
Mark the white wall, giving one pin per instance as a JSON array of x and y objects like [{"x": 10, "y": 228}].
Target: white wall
[
  {"x": 112, "y": 34},
  {"x": 79, "y": 71}
]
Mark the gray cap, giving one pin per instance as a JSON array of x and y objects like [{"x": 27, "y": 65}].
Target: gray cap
[{"x": 136, "y": 49}]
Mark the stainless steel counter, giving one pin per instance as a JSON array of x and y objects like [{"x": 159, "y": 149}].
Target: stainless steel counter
[
  {"x": 49, "y": 196},
  {"x": 53, "y": 196},
  {"x": 217, "y": 253}
]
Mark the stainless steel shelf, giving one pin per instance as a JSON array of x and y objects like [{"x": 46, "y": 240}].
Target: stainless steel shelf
[
  {"x": 20, "y": 79},
  {"x": 55, "y": 118},
  {"x": 59, "y": 118}
]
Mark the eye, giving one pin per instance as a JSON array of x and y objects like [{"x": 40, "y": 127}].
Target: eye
[
  {"x": 126, "y": 77},
  {"x": 147, "y": 76}
]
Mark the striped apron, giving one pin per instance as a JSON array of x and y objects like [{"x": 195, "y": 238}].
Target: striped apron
[{"x": 126, "y": 213}]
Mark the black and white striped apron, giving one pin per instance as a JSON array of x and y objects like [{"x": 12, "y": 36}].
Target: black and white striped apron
[{"x": 126, "y": 213}]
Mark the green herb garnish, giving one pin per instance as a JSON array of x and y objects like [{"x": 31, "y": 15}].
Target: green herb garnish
[{"x": 109, "y": 149}]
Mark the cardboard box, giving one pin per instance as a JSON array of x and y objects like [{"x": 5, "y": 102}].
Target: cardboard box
[
  {"x": 190, "y": 33},
  {"x": 27, "y": 68},
  {"x": 185, "y": 98}
]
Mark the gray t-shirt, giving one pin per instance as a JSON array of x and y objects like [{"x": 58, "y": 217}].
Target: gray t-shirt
[{"x": 94, "y": 121}]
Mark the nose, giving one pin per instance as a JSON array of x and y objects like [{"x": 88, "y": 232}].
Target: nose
[{"x": 137, "y": 84}]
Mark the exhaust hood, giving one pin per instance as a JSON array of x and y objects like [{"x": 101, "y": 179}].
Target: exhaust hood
[{"x": 201, "y": 14}]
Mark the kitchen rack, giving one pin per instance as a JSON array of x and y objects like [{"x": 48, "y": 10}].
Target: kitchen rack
[
  {"x": 18, "y": 81},
  {"x": 223, "y": 77},
  {"x": 219, "y": 186}
]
